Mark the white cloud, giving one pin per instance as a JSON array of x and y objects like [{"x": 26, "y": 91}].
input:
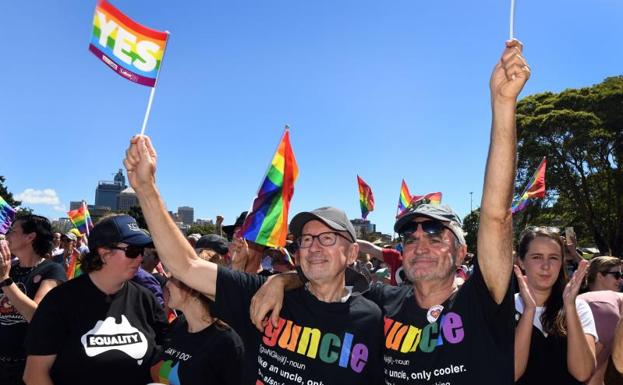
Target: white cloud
[
  {"x": 46, "y": 196},
  {"x": 61, "y": 208}
]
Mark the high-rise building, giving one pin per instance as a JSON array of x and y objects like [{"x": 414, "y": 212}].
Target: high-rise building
[
  {"x": 186, "y": 215},
  {"x": 107, "y": 192},
  {"x": 126, "y": 199},
  {"x": 363, "y": 226}
]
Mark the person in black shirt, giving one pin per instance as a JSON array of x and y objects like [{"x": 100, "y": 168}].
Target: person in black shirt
[
  {"x": 200, "y": 349},
  {"x": 100, "y": 328},
  {"x": 437, "y": 332},
  {"x": 23, "y": 284},
  {"x": 327, "y": 334}
]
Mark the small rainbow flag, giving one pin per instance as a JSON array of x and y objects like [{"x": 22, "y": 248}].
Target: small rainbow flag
[
  {"x": 366, "y": 198},
  {"x": 7, "y": 216},
  {"x": 81, "y": 219},
  {"x": 535, "y": 189},
  {"x": 433, "y": 198},
  {"x": 130, "y": 49},
  {"x": 267, "y": 223},
  {"x": 404, "y": 199},
  {"x": 73, "y": 269}
]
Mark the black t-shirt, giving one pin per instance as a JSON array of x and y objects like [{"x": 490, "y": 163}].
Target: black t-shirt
[
  {"x": 13, "y": 325},
  {"x": 315, "y": 342},
  {"x": 547, "y": 361},
  {"x": 97, "y": 338},
  {"x": 211, "y": 356},
  {"x": 471, "y": 342}
]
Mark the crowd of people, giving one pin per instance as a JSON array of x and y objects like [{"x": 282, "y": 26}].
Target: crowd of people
[{"x": 157, "y": 306}]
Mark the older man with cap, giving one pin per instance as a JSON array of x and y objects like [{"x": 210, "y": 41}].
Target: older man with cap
[
  {"x": 99, "y": 328},
  {"x": 436, "y": 332},
  {"x": 326, "y": 334}
]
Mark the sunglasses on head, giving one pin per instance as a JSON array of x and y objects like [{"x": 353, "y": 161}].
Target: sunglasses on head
[
  {"x": 429, "y": 227},
  {"x": 130, "y": 251},
  {"x": 615, "y": 274}
]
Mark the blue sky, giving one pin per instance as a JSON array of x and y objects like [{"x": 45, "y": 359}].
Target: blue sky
[{"x": 386, "y": 90}]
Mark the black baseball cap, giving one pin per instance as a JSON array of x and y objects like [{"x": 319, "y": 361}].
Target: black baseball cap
[
  {"x": 442, "y": 213},
  {"x": 213, "y": 242},
  {"x": 333, "y": 217},
  {"x": 118, "y": 229}
]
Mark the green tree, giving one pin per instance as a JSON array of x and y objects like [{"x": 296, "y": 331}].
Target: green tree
[
  {"x": 202, "y": 229},
  {"x": 137, "y": 213},
  {"x": 470, "y": 226},
  {"x": 8, "y": 197},
  {"x": 580, "y": 131}
]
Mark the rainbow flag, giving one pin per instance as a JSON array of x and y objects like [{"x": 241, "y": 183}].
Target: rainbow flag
[
  {"x": 7, "y": 216},
  {"x": 267, "y": 223},
  {"x": 433, "y": 198},
  {"x": 132, "y": 50},
  {"x": 81, "y": 219},
  {"x": 73, "y": 269},
  {"x": 366, "y": 198},
  {"x": 404, "y": 198},
  {"x": 534, "y": 190}
]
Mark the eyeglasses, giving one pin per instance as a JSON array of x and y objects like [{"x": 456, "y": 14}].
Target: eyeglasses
[
  {"x": 435, "y": 228},
  {"x": 130, "y": 251},
  {"x": 325, "y": 239},
  {"x": 615, "y": 274}
]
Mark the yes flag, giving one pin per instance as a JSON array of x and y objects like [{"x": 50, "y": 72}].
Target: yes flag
[
  {"x": 366, "y": 198},
  {"x": 81, "y": 219},
  {"x": 267, "y": 223},
  {"x": 132, "y": 50},
  {"x": 7, "y": 215},
  {"x": 535, "y": 189},
  {"x": 404, "y": 198}
]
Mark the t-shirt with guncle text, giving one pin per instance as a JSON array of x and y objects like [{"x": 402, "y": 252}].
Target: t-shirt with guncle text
[
  {"x": 211, "y": 356},
  {"x": 97, "y": 338},
  {"x": 470, "y": 342},
  {"x": 314, "y": 343},
  {"x": 13, "y": 325}
]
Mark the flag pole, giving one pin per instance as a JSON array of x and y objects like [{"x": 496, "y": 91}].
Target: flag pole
[
  {"x": 86, "y": 220},
  {"x": 153, "y": 89},
  {"x": 512, "y": 21}
]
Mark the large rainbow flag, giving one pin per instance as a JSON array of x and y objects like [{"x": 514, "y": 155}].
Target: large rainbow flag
[
  {"x": 535, "y": 189},
  {"x": 366, "y": 198},
  {"x": 267, "y": 223},
  {"x": 404, "y": 198},
  {"x": 7, "y": 216},
  {"x": 81, "y": 219},
  {"x": 130, "y": 49},
  {"x": 433, "y": 198}
]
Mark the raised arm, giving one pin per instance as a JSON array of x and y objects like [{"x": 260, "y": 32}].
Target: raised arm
[
  {"x": 174, "y": 251},
  {"x": 495, "y": 230}
]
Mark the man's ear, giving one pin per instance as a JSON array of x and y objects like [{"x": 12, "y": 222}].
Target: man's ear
[
  {"x": 353, "y": 251},
  {"x": 461, "y": 252}
]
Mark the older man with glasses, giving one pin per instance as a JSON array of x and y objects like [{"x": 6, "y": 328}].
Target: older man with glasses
[{"x": 326, "y": 334}]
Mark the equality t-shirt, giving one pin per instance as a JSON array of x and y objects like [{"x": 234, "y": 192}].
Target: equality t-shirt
[
  {"x": 468, "y": 341},
  {"x": 97, "y": 338},
  {"x": 210, "y": 356},
  {"x": 13, "y": 325},
  {"x": 314, "y": 343}
]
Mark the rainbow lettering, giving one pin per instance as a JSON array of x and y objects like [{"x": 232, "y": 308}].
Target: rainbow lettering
[
  {"x": 311, "y": 342},
  {"x": 130, "y": 49},
  {"x": 407, "y": 338}
]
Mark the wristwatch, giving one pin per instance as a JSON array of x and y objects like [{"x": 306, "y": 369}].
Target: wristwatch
[{"x": 6, "y": 282}]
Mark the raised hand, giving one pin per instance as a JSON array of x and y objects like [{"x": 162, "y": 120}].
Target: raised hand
[
  {"x": 524, "y": 290},
  {"x": 5, "y": 260},
  {"x": 510, "y": 74},
  {"x": 574, "y": 284},
  {"x": 140, "y": 162}
]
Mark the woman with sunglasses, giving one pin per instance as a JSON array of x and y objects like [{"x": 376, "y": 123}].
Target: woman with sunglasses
[
  {"x": 603, "y": 280},
  {"x": 99, "y": 328},
  {"x": 200, "y": 349},
  {"x": 555, "y": 333}
]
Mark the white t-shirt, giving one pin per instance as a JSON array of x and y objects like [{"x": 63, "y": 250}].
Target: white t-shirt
[{"x": 581, "y": 306}]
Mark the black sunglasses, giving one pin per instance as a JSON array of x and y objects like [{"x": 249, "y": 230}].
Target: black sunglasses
[
  {"x": 130, "y": 251},
  {"x": 429, "y": 227},
  {"x": 615, "y": 274}
]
